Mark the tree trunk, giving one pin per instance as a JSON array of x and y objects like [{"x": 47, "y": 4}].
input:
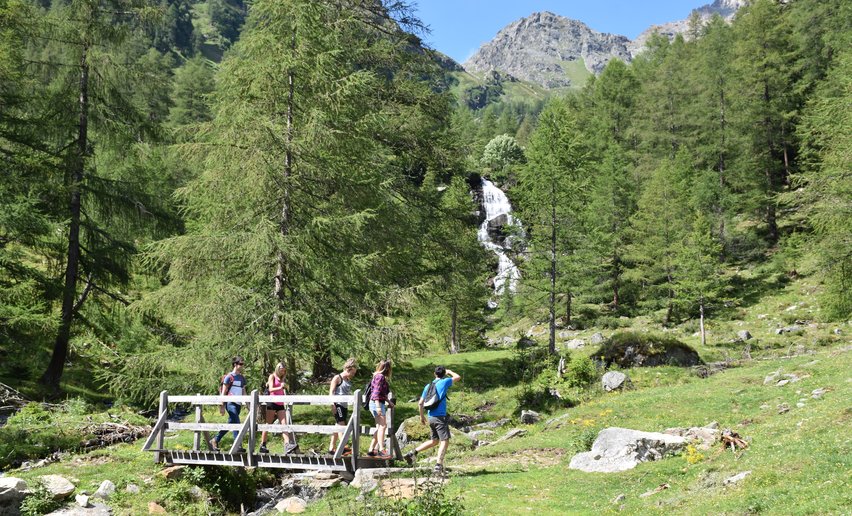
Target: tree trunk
[
  {"x": 771, "y": 219},
  {"x": 703, "y": 334},
  {"x": 322, "y": 366},
  {"x": 616, "y": 280},
  {"x": 454, "y": 337},
  {"x": 551, "y": 345},
  {"x": 568, "y": 308},
  {"x": 54, "y": 370}
]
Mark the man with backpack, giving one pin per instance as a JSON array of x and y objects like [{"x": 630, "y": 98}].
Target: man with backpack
[
  {"x": 434, "y": 402},
  {"x": 233, "y": 384}
]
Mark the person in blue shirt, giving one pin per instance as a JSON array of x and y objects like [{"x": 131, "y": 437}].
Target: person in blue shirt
[
  {"x": 233, "y": 384},
  {"x": 438, "y": 420}
]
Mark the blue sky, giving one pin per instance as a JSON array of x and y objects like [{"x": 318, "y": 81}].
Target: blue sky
[{"x": 459, "y": 27}]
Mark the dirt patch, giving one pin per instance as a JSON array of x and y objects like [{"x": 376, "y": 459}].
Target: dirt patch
[
  {"x": 92, "y": 460},
  {"x": 485, "y": 407},
  {"x": 541, "y": 457}
]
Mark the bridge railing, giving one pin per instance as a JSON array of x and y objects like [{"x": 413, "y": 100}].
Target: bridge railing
[{"x": 249, "y": 428}]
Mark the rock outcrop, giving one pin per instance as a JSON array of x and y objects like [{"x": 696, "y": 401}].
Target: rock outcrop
[{"x": 620, "y": 449}]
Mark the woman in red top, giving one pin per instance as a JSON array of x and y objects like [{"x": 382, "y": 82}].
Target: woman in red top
[
  {"x": 380, "y": 388},
  {"x": 276, "y": 411}
]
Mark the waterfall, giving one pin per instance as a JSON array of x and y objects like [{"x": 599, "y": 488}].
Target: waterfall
[{"x": 497, "y": 206}]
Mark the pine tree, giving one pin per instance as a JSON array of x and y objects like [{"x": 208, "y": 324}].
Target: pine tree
[
  {"x": 551, "y": 189},
  {"x": 305, "y": 225},
  {"x": 699, "y": 282}
]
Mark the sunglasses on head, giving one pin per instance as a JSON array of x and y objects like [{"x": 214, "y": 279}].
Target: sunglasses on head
[{"x": 239, "y": 363}]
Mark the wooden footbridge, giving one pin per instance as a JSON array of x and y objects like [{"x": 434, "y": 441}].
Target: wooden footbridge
[{"x": 203, "y": 454}]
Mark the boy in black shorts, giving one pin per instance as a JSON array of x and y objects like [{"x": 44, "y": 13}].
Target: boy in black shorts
[{"x": 438, "y": 420}]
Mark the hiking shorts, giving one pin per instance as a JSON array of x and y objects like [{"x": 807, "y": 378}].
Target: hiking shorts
[
  {"x": 341, "y": 414},
  {"x": 275, "y": 407},
  {"x": 440, "y": 426}
]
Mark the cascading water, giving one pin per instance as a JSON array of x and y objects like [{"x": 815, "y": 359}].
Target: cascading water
[{"x": 497, "y": 205}]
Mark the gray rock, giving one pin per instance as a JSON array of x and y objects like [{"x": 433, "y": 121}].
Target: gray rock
[
  {"x": 783, "y": 408},
  {"x": 618, "y": 499},
  {"x": 736, "y": 478},
  {"x": 82, "y": 500},
  {"x": 771, "y": 377},
  {"x": 837, "y": 331},
  {"x": 620, "y": 449},
  {"x": 573, "y": 344},
  {"x": 367, "y": 479},
  {"x": 132, "y": 489},
  {"x": 58, "y": 486},
  {"x": 613, "y": 380},
  {"x": 12, "y": 489},
  {"x": 530, "y": 417},
  {"x": 597, "y": 338},
  {"x": 818, "y": 393},
  {"x": 511, "y": 434},
  {"x": 789, "y": 329},
  {"x": 743, "y": 335},
  {"x": 197, "y": 493},
  {"x": 480, "y": 434},
  {"x": 493, "y": 424},
  {"x": 106, "y": 489},
  {"x": 707, "y": 436},
  {"x": 292, "y": 505}
]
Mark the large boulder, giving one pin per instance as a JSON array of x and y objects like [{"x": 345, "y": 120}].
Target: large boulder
[
  {"x": 633, "y": 349},
  {"x": 613, "y": 380},
  {"x": 58, "y": 486},
  {"x": 530, "y": 417},
  {"x": 705, "y": 436},
  {"x": 620, "y": 449},
  {"x": 12, "y": 493}
]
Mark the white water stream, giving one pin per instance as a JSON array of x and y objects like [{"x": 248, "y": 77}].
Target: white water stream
[{"x": 496, "y": 204}]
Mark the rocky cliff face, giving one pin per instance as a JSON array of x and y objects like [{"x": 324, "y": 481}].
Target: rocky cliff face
[
  {"x": 537, "y": 47},
  {"x": 724, "y": 8},
  {"x": 540, "y": 47}
]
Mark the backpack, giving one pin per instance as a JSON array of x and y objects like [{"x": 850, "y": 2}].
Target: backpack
[
  {"x": 225, "y": 382},
  {"x": 431, "y": 400},
  {"x": 368, "y": 390}
]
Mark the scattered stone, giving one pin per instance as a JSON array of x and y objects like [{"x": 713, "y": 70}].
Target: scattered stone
[
  {"x": 743, "y": 335},
  {"x": 761, "y": 316},
  {"x": 620, "y": 449},
  {"x": 791, "y": 308},
  {"x": 480, "y": 434},
  {"x": 573, "y": 344},
  {"x": 712, "y": 424},
  {"x": 837, "y": 331},
  {"x": 811, "y": 363},
  {"x": 530, "y": 417},
  {"x": 93, "y": 509},
  {"x": 771, "y": 377},
  {"x": 782, "y": 383},
  {"x": 789, "y": 329},
  {"x": 783, "y": 408},
  {"x": 613, "y": 380},
  {"x": 12, "y": 489},
  {"x": 736, "y": 478},
  {"x": 58, "y": 486},
  {"x": 494, "y": 424},
  {"x": 707, "y": 435},
  {"x": 82, "y": 500},
  {"x": 800, "y": 404},
  {"x": 661, "y": 487},
  {"x": 155, "y": 508},
  {"x": 765, "y": 406},
  {"x": 637, "y": 349},
  {"x": 132, "y": 489},
  {"x": 324, "y": 483},
  {"x": 818, "y": 393},
  {"x": 106, "y": 489},
  {"x": 597, "y": 338},
  {"x": 197, "y": 493},
  {"x": 511, "y": 434},
  {"x": 367, "y": 479},
  {"x": 292, "y": 505},
  {"x": 618, "y": 499},
  {"x": 172, "y": 473}
]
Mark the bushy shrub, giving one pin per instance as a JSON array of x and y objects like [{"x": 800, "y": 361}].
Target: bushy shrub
[
  {"x": 39, "y": 501},
  {"x": 581, "y": 372}
]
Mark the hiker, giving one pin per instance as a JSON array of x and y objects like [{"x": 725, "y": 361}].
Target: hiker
[
  {"x": 233, "y": 384},
  {"x": 379, "y": 403},
  {"x": 341, "y": 385},
  {"x": 277, "y": 411},
  {"x": 435, "y": 403}
]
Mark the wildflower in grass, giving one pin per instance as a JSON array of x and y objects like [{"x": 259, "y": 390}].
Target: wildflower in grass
[{"x": 692, "y": 455}]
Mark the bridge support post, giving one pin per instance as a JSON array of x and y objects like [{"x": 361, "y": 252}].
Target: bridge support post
[
  {"x": 164, "y": 407},
  {"x": 356, "y": 432},
  {"x": 253, "y": 427}
]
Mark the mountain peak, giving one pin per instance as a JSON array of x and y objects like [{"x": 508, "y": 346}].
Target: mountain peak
[{"x": 545, "y": 47}]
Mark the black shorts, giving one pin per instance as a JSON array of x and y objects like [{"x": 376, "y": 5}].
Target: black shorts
[
  {"x": 440, "y": 426},
  {"x": 275, "y": 407},
  {"x": 341, "y": 413}
]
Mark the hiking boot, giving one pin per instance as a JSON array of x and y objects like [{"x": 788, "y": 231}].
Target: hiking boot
[
  {"x": 262, "y": 448},
  {"x": 213, "y": 444},
  {"x": 409, "y": 458},
  {"x": 439, "y": 469},
  {"x": 240, "y": 450},
  {"x": 384, "y": 455},
  {"x": 291, "y": 448},
  {"x": 371, "y": 454}
]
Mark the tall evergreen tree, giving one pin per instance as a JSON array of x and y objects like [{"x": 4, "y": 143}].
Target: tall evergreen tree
[{"x": 551, "y": 189}]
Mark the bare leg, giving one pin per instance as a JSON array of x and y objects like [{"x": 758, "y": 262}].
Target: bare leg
[
  {"x": 426, "y": 445},
  {"x": 270, "y": 417},
  {"x": 442, "y": 450},
  {"x": 378, "y": 440},
  {"x": 282, "y": 419}
]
